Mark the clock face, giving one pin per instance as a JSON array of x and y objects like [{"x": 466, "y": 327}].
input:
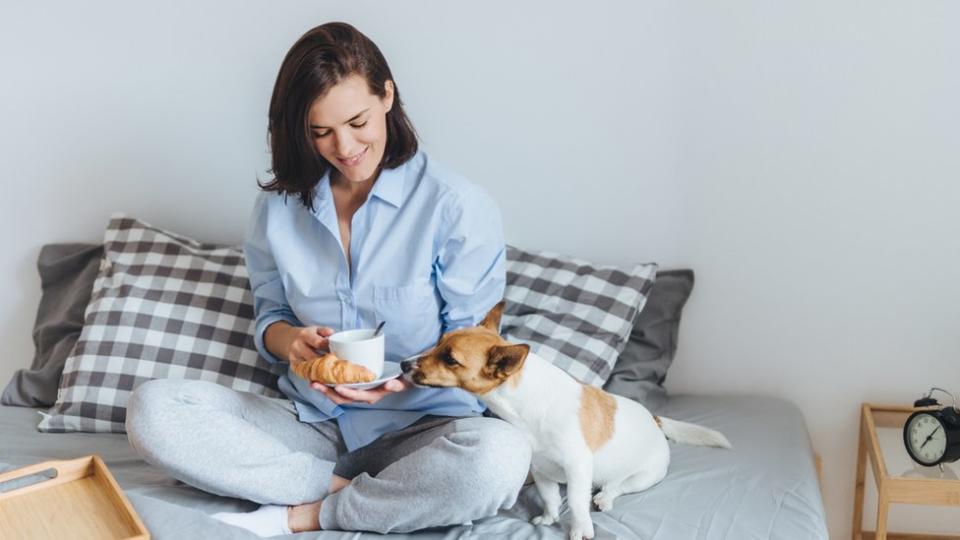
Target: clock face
[{"x": 926, "y": 438}]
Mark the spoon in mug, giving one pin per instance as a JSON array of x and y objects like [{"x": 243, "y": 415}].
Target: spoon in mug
[{"x": 379, "y": 328}]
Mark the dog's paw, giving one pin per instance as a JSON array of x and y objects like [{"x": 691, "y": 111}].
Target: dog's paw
[
  {"x": 544, "y": 519},
  {"x": 604, "y": 501},
  {"x": 581, "y": 531}
]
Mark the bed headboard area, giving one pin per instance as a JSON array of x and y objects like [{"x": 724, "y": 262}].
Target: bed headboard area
[{"x": 805, "y": 170}]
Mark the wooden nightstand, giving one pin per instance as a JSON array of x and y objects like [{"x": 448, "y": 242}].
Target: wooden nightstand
[{"x": 896, "y": 488}]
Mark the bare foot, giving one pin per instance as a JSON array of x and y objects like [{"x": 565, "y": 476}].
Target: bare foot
[
  {"x": 304, "y": 517},
  {"x": 337, "y": 483}
]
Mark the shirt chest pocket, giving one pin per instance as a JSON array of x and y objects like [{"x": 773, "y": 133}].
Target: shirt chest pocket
[{"x": 412, "y": 313}]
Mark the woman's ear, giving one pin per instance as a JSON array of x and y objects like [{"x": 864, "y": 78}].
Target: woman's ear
[{"x": 388, "y": 95}]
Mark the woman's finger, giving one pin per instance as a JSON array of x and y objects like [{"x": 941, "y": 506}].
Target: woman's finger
[
  {"x": 366, "y": 396},
  {"x": 325, "y": 390},
  {"x": 325, "y": 331},
  {"x": 295, "y": 356},
  {"x": 345, "y": 394},
  {"x": 304, "y": 350},
  {"x": 350, "y": 393},
  {"x": 317, "y": 338},
  {"x": 323, "y": 344},
  {"x": 394, "y": 385},
  {"x": 312, "y": 338},
  {"x": 300, "y": 348}
]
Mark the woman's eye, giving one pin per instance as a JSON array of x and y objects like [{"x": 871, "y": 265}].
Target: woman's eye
[
  {"x": 319, "y": 135},
  {"x": 359, "y": 125}
]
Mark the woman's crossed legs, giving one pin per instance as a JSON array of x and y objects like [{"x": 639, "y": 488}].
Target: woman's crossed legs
[{"x": 438, "y": 471}]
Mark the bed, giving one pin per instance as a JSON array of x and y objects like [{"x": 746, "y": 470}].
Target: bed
[{"x": 765, "y": 487}]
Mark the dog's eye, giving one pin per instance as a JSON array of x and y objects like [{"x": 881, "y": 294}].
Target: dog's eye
[{"x": 449, "y": 360}]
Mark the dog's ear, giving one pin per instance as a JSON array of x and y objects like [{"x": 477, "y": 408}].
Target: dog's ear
[
  {"x": 492, "y": 320},
  {"x": 505, "y": 360}
]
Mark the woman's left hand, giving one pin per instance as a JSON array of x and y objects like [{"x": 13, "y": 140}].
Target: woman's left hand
[{"x": 346, "y": 395}]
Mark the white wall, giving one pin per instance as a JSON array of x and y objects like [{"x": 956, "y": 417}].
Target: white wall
[{"x": 802, "y": 157}]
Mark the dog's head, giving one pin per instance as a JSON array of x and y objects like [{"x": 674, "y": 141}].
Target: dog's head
[{"x": 476, "y": 359}]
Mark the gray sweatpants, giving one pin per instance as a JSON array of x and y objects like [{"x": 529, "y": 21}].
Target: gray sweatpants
[{"x": 439, "y": 471}]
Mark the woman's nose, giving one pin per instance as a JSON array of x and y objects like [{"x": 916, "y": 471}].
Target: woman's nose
[{"x": 344, "y": 144}]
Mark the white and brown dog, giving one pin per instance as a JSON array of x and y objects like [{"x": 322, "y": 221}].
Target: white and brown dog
[{"x": 580, "y": 435}]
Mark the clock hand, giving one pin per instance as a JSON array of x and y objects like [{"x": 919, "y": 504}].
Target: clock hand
[{"x": 932, "y": 433}]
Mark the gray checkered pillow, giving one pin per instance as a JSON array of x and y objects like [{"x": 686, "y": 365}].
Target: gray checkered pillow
[
  {"x": 162, "y": 306},
  {"x": 576, "y": 315}
]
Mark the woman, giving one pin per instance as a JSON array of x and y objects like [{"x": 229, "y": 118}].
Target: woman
[{"x": 358, "y": 226}]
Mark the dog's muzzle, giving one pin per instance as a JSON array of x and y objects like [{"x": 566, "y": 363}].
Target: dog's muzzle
[{"x": 408, "y": 365}]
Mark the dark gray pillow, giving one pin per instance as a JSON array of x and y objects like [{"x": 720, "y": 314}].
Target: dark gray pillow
[
  {"x": 642, "y": 367},
  {"x": 67, "y": 272}
]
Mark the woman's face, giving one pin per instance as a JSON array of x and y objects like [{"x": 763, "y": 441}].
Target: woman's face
[{"x": 349, "y": 127}]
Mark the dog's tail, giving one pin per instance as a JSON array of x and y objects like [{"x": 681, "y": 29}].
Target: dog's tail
[{"x": 683, "y": 432}]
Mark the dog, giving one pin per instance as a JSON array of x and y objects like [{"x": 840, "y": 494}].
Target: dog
[{"x": 580, "y": 435}]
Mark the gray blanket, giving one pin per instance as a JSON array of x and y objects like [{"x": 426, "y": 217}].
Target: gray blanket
[{"x": 766, "y": 487}]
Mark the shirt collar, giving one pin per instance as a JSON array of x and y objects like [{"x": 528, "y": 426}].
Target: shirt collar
[
  {"x": 322, "y": 195},
  {"x": 388, "y": 187}
]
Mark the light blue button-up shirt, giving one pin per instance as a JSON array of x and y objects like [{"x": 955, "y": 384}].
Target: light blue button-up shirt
[{"x": 427, "y": 256}]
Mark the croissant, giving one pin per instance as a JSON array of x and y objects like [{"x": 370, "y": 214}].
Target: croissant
[{"x": 332, "y": 370}]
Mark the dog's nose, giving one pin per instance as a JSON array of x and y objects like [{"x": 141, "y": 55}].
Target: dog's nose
[{"x": 406, "y": 365}]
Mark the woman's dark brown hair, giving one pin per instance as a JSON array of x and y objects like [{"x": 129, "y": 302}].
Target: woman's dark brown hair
[{"x": 319, "y": 60}]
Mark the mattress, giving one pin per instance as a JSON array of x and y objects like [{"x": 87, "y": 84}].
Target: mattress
[{"x": 765, "y": 487}]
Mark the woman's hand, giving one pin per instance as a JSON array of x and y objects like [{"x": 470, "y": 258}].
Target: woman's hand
[
  {"x": 307, "y": 343},
  {"x": 344, "y": 394}
]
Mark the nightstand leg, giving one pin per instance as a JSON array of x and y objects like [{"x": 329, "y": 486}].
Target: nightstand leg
[
  {"x": 858, "y": 488},
  {"x": 883, "y": 506}
]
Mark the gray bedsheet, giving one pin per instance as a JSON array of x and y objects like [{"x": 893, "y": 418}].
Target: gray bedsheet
[{"x": 766, "y": 487}]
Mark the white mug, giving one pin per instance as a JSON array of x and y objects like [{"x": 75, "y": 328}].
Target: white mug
[{"x": 359, "y": 347}]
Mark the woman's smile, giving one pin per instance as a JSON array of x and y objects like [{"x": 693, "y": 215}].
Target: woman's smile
[{"x": 354, "y": 160}]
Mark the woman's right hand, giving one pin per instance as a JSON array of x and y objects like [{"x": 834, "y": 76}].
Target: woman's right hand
[{"x": 308, "y": 342}]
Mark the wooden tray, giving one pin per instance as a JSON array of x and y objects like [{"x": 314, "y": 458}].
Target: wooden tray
[{"x": 82, "y": 501}]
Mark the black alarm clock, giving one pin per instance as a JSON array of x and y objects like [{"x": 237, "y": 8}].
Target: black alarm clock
[{"x": 932, "y": 436}]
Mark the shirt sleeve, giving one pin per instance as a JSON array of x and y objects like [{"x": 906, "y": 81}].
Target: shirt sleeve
[
  {"x": 471, "y": 261},
  {"x": 269, "y": 299}
]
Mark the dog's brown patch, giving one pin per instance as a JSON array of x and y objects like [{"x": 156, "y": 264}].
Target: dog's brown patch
[{"x": 597, "y": 409}]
